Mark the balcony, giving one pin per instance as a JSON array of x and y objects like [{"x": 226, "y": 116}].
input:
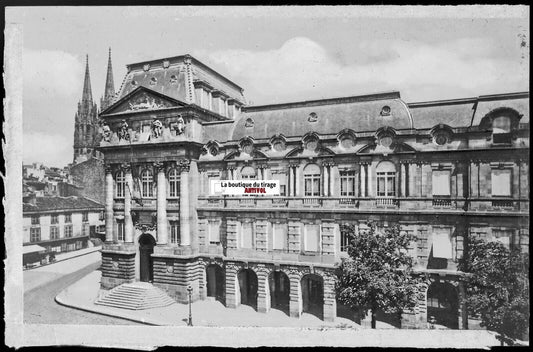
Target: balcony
[
  {"x": 442, "y": 202},
  {"x": 387, "y": 202},
  {"x": 312, "y": 201},
  {"x": 503, "y": 203}
]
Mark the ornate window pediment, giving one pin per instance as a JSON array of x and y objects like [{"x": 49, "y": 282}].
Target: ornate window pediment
[
  {"x": 311, "y": 142},
  {"x": 386, "y": 137},
  {"x": 247, "y": 145},
  {"x": 346, "y": 139},
  {"x": 278, "y": 143},
  {"x": 441, "y": 134}
]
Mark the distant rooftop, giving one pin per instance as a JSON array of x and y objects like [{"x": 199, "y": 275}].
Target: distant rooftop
[{"x": 51, "y": 204}]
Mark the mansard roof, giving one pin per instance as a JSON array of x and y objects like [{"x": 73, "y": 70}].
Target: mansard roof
[
  {"x": 170, "y": 77},
  {"x": 359, "y": 113}
]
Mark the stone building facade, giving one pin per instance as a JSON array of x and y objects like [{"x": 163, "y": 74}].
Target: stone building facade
[{"x": 443, "y": 170}]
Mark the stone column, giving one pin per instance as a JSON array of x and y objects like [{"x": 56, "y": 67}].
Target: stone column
[
  {"x": 363, "y": 180},
  {"x": 325, "y": 190},
  {"x": 298, "y": 178},
  {"x": 128, "y": 222},
  {"x": 332, "y": 174},
  {"x": 402, "y": 180},
  {"x": 290, "y": 191},
  {"x": 185, "y": 229},
  {"x": 162, "y": 228},
  {"x": 108, "y": 204}
]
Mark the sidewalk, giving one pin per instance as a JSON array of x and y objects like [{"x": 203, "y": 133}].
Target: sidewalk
[
  {"x": 83, "y": 293},
  {"x": 307, "y": 328},
  {"x": 67, "y": 255}
]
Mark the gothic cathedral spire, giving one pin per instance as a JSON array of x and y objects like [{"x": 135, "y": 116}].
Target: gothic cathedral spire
[
  {"x": 109, "y": 92},
  {"x": 85, "y": 121}
]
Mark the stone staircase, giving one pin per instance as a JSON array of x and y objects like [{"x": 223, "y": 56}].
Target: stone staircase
[{"x": 135, "y": 296}]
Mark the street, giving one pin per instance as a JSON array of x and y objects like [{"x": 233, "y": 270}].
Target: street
[{"x": 39, "y": 304}]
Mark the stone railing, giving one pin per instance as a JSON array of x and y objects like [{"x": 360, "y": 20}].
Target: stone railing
[
  {"x": 442, "y": 202},
  {"x": 387, "y": 202},
  {"x": 503, "y": 203},
  {"x": 312, "y": 201}
]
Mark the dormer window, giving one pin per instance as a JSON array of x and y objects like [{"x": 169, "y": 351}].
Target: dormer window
[
  {"x": 134, "y": 83},
  {"x": 385, "y": 111},
  {"x": 173, "y": 79},
  {"x": 247, "y": 146},
  {"x": 213, "y": 151},
  {"x": 441, "y": 134},
  {"x": 313, "y": 117},
  {"x": 501, "y": 130},
  {"x": 249, "y": 122},
  {"x": 153, "y": 81},
  {"x": 386, "y": 141},
  {"x": 346, "y": 139}
]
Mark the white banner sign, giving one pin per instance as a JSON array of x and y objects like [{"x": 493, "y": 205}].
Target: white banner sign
[{"x": 244, "y": 187}]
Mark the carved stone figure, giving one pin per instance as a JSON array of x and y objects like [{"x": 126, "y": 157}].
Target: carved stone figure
[
  {"x": 180, "y": 126},
  {"x": 123, "y": 131},
  {"x": 106, "y": 131},
  {"x": 157, "y": 128}
]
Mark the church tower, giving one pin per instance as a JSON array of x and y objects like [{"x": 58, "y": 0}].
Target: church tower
[
  {"x": 109, "y": 91},
  {"x": 85, "y": 127}
]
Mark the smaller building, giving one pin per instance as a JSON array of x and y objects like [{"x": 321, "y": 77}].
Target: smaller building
[{"x": 60, "y": 224}]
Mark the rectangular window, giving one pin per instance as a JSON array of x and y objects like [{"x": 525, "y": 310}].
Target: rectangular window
[
  {"x": 175, "y": 232},
  {"x": 85, "y": 229},
  {"x": 85, "y": 216},
  {"x": 120, "y": 229},
  {"x": 214, "y": 232},
  {"x": 79, "y": 244},
  {"x": 386, "y": 184},
  {"x": 442, "y": 244},
  {"x": 441, "y": 183},
  {"x": 247, "y": 239},
  {"x": 280, "y": 236},
  {"x": 64, "y": 247},
  {"x": 501, "y": 182},
  {"x": 102, "y": 216},
  {"x": 54, "y": 219},
  {"x": 35, "y": 234},
  {"x": 312, "y": 238},
  {"x": 345, "y": 240},
  {"x": 68, "y": 218},
  {"x": 312, "y": 185},
  {"x": 35, "y": 220},
  {"x": 347, "y": 183},
  {"x": 54, "y": 233},
  {"x": 68, "y": 231}
]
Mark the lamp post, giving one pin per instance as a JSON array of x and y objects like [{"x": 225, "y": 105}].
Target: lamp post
[{"x": 189, "y": 290}]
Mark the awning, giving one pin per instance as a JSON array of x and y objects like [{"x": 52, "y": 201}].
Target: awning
[
  {"x": 32, "y": 248},
  {"x": 442, "y": 246}
]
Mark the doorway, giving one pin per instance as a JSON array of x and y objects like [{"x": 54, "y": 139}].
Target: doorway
[
  {"x": 146, "y": 248},
  {"x": 280, "y": 288},
  {"x": 248, "y": 288},
  {"x": 313, "y": 295}
]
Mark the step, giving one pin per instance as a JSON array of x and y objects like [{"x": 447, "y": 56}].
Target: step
[{"x": 136, "y": 296}]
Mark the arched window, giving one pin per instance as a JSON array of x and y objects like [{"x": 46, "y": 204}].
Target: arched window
[
  {"x": 120, "y": 184},
  {"x": 173, "y": 183},
  {"x": 312, "y": 180},
  {"x": 501, "y": 129},
  {"x": 248, "y": 173},
  {"x": 386, "y": 179},
  {"x": 147, "y": 184}
]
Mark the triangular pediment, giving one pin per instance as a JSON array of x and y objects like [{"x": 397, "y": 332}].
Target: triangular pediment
[{"x": 142, "y": 99}]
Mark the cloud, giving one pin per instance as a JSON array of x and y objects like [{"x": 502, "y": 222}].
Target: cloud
[
  {"x": 50, "y": 149},
  {"x": 302, "y": 69}
]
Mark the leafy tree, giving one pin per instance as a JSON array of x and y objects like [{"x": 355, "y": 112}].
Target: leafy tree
[
  {"x": 378, "y": 273},
  {"x": 498, "y": 289}
]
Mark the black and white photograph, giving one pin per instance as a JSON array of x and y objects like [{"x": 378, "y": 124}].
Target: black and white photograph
[{"x": 281, "y": 176}]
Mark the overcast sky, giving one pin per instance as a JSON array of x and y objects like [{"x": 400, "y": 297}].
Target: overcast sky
[{"x": 276, "y": 54}]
